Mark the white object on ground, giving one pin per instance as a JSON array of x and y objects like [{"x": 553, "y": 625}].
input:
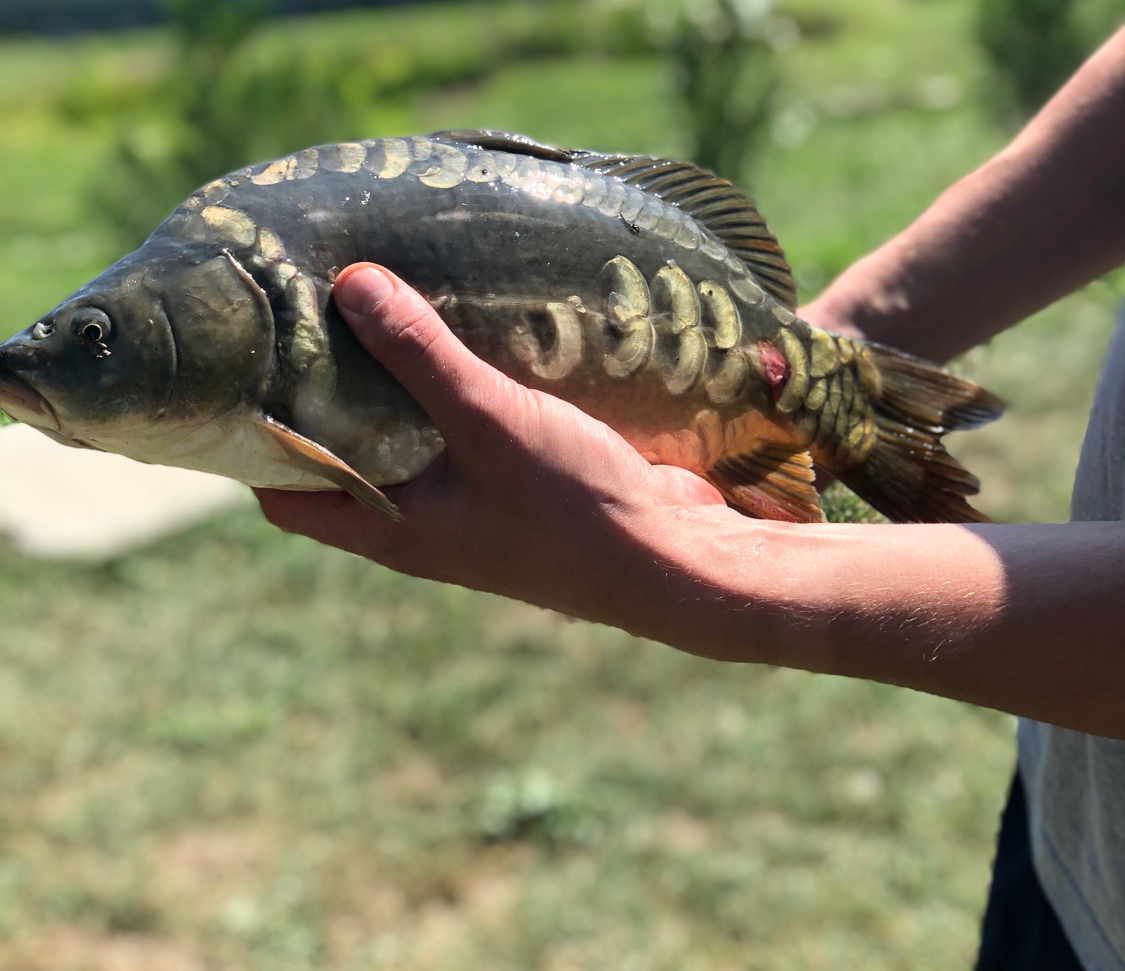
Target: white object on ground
[{"x": 59, "y": 502}]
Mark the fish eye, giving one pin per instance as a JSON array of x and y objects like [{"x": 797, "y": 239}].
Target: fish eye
[
  {"x": 42, "y": 330},
  {"x": 92, "y": 327}
]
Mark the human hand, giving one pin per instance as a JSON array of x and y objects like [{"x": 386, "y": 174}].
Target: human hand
[
  {"x": 535, "y": 500},
  {"x": 532, "y": 498}
]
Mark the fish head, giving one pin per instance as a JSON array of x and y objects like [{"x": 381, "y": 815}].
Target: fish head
[
  {"x": 171, "y": 336},
  {"x": 101, "y": 358}
]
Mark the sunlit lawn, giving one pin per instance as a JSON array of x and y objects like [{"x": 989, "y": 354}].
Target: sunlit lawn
[{"x": 239, "y": 750}]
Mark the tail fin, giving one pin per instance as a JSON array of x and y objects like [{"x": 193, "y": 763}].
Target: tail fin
[{"x": 908, "y": 476}]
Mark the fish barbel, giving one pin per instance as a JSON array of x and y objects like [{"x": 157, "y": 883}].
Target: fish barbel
[{"x": 645, "y": 291}]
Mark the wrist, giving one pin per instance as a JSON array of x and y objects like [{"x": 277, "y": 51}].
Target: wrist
[
  {"x": 884, "y": 602},
  {"x": 714, "y": 586},
  {"x": 878, "y": 602}
]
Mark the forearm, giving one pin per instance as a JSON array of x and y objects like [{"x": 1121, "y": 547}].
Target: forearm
[
  {"x": 1041, "y": 219},
  {"x": 1025, "y": 619}
]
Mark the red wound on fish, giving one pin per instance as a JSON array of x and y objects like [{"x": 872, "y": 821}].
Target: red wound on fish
[{"x": 774, "y": 366}]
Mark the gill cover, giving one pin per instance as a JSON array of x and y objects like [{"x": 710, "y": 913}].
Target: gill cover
[{"x": 223, "y": 329}]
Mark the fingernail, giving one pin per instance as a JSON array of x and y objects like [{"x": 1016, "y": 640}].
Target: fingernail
[{"x": 361, "y": 287}]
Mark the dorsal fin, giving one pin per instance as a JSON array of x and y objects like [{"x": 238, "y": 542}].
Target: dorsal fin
[
  {"x": 503, "y": 141},
  {"x": 713, "y": 202}
]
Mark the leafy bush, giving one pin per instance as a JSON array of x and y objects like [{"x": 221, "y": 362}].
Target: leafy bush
[
  {"x": 214, "y": 109},
  {"x": 232, "y": 96},
  {"x": 233, "y": 92},
  {"x": 1035, "y": 45},
  {"x": 724, "y": 55},
  {"x": 206, "y": 106}
]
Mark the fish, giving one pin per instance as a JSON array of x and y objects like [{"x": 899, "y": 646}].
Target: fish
[{"x": 647, "y": 292}]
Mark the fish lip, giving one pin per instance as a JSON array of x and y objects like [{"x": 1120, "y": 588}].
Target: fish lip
[{"x": 22, "y": 402}]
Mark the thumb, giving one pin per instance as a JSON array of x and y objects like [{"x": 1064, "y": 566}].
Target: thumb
[{"x": 403, "y": 332}]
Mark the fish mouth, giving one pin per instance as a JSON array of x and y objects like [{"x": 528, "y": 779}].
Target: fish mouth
[{"x": 23, "y": 403}]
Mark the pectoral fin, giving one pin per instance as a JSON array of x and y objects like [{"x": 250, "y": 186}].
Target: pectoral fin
[
  {"x": 308, "y": 455},
  {"x": 771, "y": 482}
]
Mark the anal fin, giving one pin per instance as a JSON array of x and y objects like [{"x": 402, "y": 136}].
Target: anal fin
[
  {"x": 772, "y": 482},
  {"x": 308, "y": 455}
]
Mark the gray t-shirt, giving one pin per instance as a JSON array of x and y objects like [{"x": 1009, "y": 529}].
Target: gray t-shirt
[{"x": 1076, "y": 783}]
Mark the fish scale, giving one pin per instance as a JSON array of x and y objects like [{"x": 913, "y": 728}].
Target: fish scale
[{"x": 647, "y": 292}]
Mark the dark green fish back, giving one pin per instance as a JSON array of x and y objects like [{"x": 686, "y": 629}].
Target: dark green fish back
[{"x": 713, "y": 202}]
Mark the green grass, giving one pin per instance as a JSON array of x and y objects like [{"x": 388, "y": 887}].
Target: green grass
[
  {"x": 261, "y": 753},
  {"x": 240, "y": 750}
]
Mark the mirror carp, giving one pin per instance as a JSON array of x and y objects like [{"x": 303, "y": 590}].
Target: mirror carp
[{"x": 647, "y": 292}]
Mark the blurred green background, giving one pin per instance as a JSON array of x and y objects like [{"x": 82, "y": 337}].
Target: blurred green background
[{"x": 239, "y": 750}]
